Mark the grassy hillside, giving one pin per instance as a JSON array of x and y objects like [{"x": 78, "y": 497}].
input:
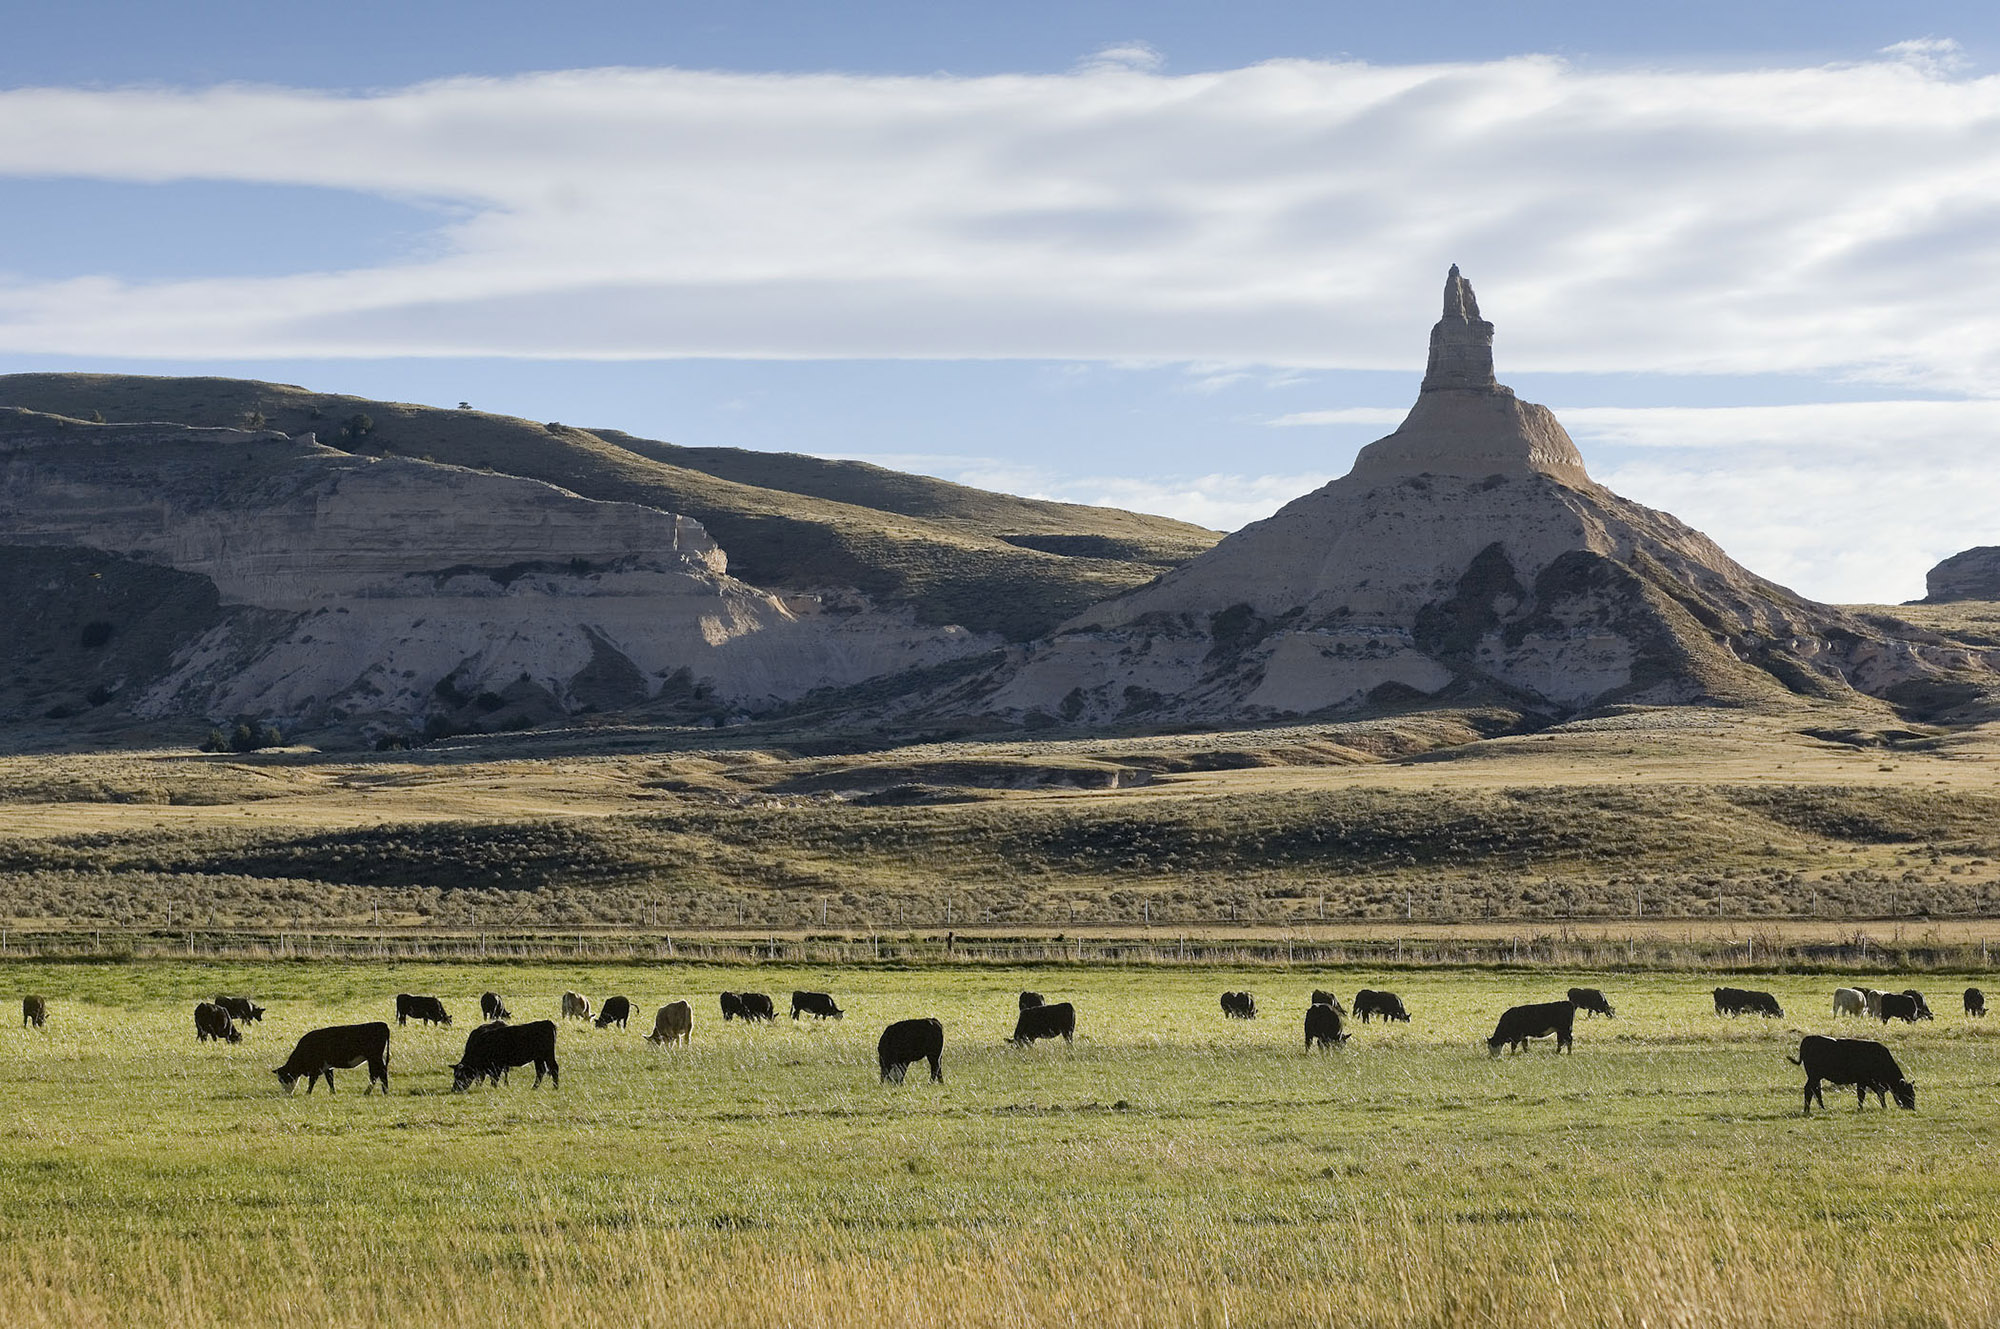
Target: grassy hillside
[{"x": 953, "y": 554}]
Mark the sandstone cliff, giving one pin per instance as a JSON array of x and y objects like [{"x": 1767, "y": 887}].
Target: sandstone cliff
[
  {"x": 1973, "y": 574},
  {"x": 376, "y": 591},
  {"x": 1469, "y": 553}
]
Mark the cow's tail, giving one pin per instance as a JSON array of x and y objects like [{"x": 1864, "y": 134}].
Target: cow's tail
[{"x": 1794, "y": 1060}]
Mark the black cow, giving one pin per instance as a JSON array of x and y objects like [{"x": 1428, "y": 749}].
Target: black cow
[
  {"x": 908, "y": 1041},
  {"x": 496, "y": 1047},
  {"x": 241, "y": 1009},
  {"x": 732, "y": 1007},
  {"x": 1923, "y": 1007},
  {"x": 1975, "y": 1002},
  {"x": 427, "y": 1009},
  {"x": 816, "y": 1004},
  {"x": 1045, "y": 1022},
  {"x": 34, "y": 1011},
  {"x": 338, "y": 1047},
  {"x": 1388, "y": 1005},
  {"x": 1522, "y": 1023},
  {"x": 1902, "y": 1006},
  {"x": 757, "y": 1006},
  {"x": 213, "y": 1021},
  {"x": 1741, "y": 1001},
  {"x": 1857, "y": 1061},
  {"x": 617, "y": 1010},
  {"x": 1327, "y": 999},
  {"x": 1591, "y": 1002},
  {"x": 1323, "y": 1025},
  {"x": 1239, "y": 1005},
  {"x": 1030, "y": 1000},
  {"x": 491, "y": 1008}
]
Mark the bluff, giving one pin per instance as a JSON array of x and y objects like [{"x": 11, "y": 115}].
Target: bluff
[
  {"x": 1466, "y": 556},
  {"x": 1972, "y": 574}
]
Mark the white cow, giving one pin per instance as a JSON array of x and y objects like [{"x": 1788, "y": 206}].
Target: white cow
[
  {"x": 1849, "y": 1001},
  {"x": 576, "y": 1006}
]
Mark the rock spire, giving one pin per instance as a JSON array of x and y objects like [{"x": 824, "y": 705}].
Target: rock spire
[{"x": 1461, "y": 343}]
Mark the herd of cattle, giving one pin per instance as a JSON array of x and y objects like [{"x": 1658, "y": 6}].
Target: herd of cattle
[{"x": 497, "y": 1046}]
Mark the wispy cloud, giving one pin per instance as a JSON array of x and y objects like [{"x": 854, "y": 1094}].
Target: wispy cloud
[{"x": 1838, "y": 218}]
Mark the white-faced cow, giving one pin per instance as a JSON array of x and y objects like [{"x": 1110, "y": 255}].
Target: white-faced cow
[
  {"x": 491, "y": 1008},
  {"x": 816, "y": 1004},
  {"x": 212, "y": 1021},
  {"x": 908, "y": 1041},
  {"x": 1975, "y": 1003},
  {"x": 1591, "y": 1002},
  {"x": 241, "y": 1009},
  {"x": 617, "y": 1010},
  {"x": 1239, "y": 1006},
  {"x": 497, "y": 1047},
  {"x": 1057, "y": 1021},
  {"x": 1857, "y": 1061},
  {"x": 1369, "y": 1003},
  {"x": 429, "y": 1010},
  {"x": 338, "y": 1047},
  {"x": 1323, "y": 1028},
  {"x": 673, "y": 1024},
  {"x": 1540, "y": 1020},
  {"x": 575, "y": 1006},
  {"x": 34, "y": 1011}
]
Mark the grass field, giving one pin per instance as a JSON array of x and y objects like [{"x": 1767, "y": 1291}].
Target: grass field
[{"x": 1171, "y": 1168}]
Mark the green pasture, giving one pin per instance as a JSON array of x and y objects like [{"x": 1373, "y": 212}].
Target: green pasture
[{"x": 1171, "y": 1167}]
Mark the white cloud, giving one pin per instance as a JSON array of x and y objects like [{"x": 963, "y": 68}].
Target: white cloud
[
  {"x": 1344, "y": 415},
  {"x": 1839, "y": 219}
]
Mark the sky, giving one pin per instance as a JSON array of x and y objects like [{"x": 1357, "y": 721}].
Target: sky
[{"x": 1176, "y": 257}]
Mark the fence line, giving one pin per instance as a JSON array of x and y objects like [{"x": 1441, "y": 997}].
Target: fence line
[{"x": 1755, "y": 952}]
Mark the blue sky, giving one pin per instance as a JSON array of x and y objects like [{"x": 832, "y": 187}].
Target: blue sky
[{"x": 1175, "y": 257}]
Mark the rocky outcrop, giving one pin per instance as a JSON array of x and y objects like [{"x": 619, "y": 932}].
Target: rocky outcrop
[
  {"x": 376, "y": 591},
  {"x": 1971, "y": 575},
  {"x": 1468, "y": 554}
]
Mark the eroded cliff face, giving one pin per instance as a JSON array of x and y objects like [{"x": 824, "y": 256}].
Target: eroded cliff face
[
  {"x": 363, "y": 590},
  {"x": 1468, "y": 553},
  {"x": 1971, "y": 574}
]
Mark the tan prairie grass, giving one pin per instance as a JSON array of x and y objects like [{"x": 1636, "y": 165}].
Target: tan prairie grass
[{"x": 1169, "y": 1168}]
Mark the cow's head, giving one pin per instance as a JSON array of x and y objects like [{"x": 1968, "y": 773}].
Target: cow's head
[
  {"x": 256, "y": 1013},
  {"x": 463, "y": 1077},
  {"x": 1906, "y": 1094},
  {"x": 1493, "y": 1046},
  {"x": 233, "y": 1034},
  {"x": 286, "y": 1077}
]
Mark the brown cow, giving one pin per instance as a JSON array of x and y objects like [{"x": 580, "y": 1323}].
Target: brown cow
[
  {"x": 673, "y": 1024},
  {"x": 34, "y": 1011}
]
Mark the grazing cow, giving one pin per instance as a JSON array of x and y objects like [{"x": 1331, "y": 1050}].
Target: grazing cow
[
  {"x": 575, "y": 1006},
  {"x": 1923, "y": 1007},
  {"x": 1239, "y": 1005},
  {"x": 908, "y": 1041},
  {"x": 339, "y": 1047},
  {"x": 617, "y": 1010},
  {"x": 1045, "y": 1022},
  {"x": 1857, "y": 1061},
  {"x": 816, "y": 1004},
  {"x": 1522, "y": 1023},
  {"x": 1591, "y": 1002},
  {"x": 427, "y": 1009},
  {"x": 1873, "y": 997},
  {"x": 34, "y": 1011},
  {"x": 757, "y": 1006},
  {"x": 1323, "y": 1026},
  {"x": 1368, "y": 1002},
  {"x": 1741, "y": 1001},
  {"x": 491, "y": 1008},
  {"x": 241, "y": 1009},
  {"x": 732, "y": 1007},
  {"x": 673, "y": 1024},
  {"x": 1030, "y": 1000},
  {"x": 496, "y": 1047},
  {"x": 213, "y": 1021},
  {"x": 1901, "y": 1006},
  {"x": 1849, "y": 1001},
  {"x": 1327, "y": 999},
  {"x": 1975, "y": 1002}
]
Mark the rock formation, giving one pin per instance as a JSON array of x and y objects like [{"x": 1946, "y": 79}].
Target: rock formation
[
  {"x": 1973, "y": 574},
  {"x": 1467, "y": 555},
  {"x": 377, "y": 591}
]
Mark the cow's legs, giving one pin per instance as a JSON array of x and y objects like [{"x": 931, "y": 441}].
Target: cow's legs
[{"x": 937, "y": 1070}]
